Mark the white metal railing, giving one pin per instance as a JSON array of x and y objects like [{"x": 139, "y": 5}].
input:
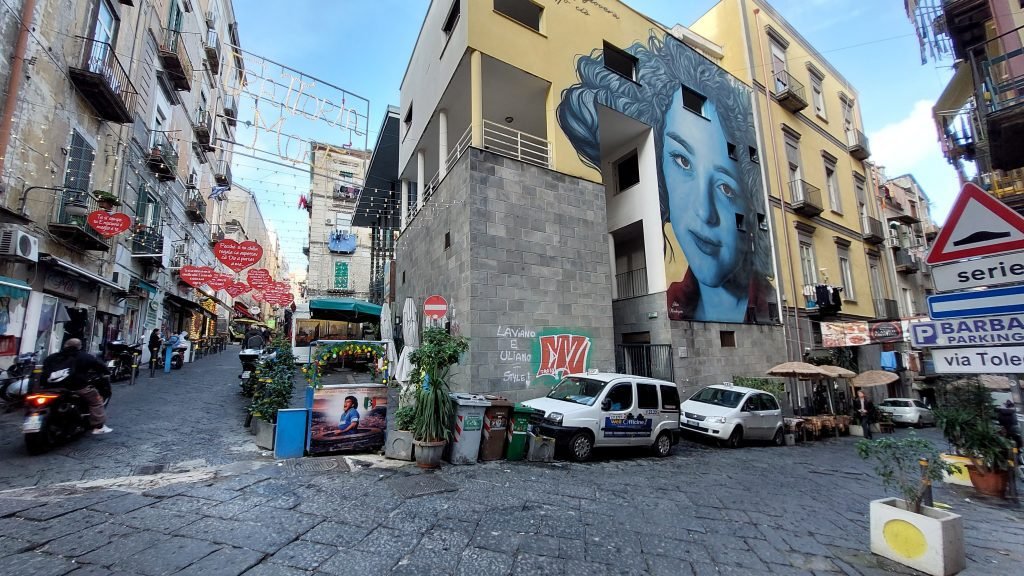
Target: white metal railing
[{"x": 518, "y": 145}]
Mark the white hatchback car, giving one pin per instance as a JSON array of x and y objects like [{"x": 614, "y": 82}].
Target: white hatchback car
[
  {"x": 907, "y": 411},
  {"x": 733, "y": 414}
]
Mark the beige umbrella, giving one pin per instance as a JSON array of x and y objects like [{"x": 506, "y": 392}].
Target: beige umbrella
[
  {"x": 873, "y": 378},
  {"x": 837, "y": 371},
  {"x": 797, "y": 370},
  {"x": 994, "y": 382}
]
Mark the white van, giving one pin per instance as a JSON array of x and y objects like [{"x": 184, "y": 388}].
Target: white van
[{"x": 604, "y": 409}]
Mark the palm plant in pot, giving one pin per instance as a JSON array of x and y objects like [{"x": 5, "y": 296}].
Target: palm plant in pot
[
  {"x": 432, "y": 424},
  {"x": 990, "y": 458},
  {"x": 904, "y": 529}
]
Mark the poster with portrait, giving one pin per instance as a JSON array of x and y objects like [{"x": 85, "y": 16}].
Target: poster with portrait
[
  {"x": 717, "y": 246},
  {"x": 348, "y": 418}
]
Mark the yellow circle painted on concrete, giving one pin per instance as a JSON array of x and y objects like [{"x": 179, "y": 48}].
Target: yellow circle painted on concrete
[{"x": 904, "y": 538}]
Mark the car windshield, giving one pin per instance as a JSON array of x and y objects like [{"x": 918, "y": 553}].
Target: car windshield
[
  {"x": 718, "y": 397},
  {"x": 577, "y": 390}
]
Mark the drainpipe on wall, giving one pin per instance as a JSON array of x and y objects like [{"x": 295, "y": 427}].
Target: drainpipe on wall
[{"x": 14, "y": 84}]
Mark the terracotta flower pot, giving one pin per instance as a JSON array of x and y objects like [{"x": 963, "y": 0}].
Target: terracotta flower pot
[
  {"x": 428, "y": 454},
  {"x": 992, "y": 483}
]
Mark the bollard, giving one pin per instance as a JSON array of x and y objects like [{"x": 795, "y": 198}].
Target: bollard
[
  {"x": 1012, "y": 489},
  {"x": 926, "y": 484},
  {"x": 34, "y": 383},
  {"x": 135, "y": 368}
]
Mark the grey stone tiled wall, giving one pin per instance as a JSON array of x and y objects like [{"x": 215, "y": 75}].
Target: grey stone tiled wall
[
  {"x": 530, "y": 254},
  {"x": 758, "y": 348}
]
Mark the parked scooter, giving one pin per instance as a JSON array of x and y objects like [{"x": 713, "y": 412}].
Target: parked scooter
[
  {"x": 18, "y": 379},
  {"x": 54, "y": 416},
  {"x": 125, "y": 357}
]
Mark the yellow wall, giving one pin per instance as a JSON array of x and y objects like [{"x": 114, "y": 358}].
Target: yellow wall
[
  {"x": 566, "y": 32},
  {"x": 722, "y": 24}
]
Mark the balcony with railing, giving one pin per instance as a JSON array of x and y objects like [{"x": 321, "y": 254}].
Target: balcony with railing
[
  {"x": 222, "y": 173},
  {"x": 516, "y": 144},
  {"x": 231, "y": 109},
  {"x": 220, "y": 232},
  {"x": 1001, "y": 67},
  {"x": 1008, "y": 187},
  {"x": 195, "y": 206},
  {"x": 788, "y": 92},
  {"x": 906, "y": 263},
  {"x": 805, "y": 198},
  {"x": 872, "y": 230},
  {"x": 211, "y": 45},
  {"x": 102, "y": 81},
  {"x": 163, "y": 157},
  {"x": 958, "y": 129},
  {"x": 644, "y": 360},
  {"x": 886, "y": 309},
  {"x": 148, "y": 246},
  {"x": 631, "y": 284},
  {"x": 202, "y": 127},
  {"x": 857, "y": 144},
  {"x": 69, "y": 222},
  {"x": 174, "y": 59}
]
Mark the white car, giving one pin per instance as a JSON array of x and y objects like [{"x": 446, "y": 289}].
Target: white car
[
  {"x": 733, "y": 414},
  {"x": 606, "y": 409},
  {"x": 907, "y": 411}
]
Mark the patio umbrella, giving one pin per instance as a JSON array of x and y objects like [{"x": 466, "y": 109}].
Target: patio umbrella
[
  {"x": 994, "y": 382},
  {"x": 387, "y": 336},
  {"x": 797, "y": 370},
  {"x": 411, "y": 336},
  {"x": 835, "y": 372},
  {"x": 873, "y": 378}
]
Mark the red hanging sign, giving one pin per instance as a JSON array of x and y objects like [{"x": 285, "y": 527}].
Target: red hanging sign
[
  {"x": 196, "y": 276},
  {"x": 256, "y": 295},
  {"x": 237, "y": 256},
  {"x": 259, "y": 278},
  {"x": 236, "y": 289},
  {"x": 219, "y": 281},
  {"x": 109, "y": 223}
]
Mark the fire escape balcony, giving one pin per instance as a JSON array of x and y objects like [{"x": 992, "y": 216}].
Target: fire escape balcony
[
  {"x": 227, "y": 232},
  {"x": 899, "y": 213},
  {"x": 231, "y": 109},
  {"x": 857, "y": 144},
  {"x": 195, "y": 206},
  {"x": 69, "y": 221},
  {"x": 212, "y": 48},
  {"x": 222, "y": 175},
  {"x": 148, "y": 246},
  {"x": 1003, "y": 87},
  {"x": 103, "y": 82},
  {"x": 175, "y": 60},
  {"x": 789, "y": 92},
  {"x": 163, "y": 158},
  {"x": 886, "y": 309},
  {"x": 906, "y": 263},
  {"x": 805, "y": 198},
  {"x": 202, "y": 126},
  {"x": 872, "y": 230}
]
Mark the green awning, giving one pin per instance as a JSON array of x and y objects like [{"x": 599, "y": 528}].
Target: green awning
[
  {"x": 146, "y": 286},
  {"x": 345, "y": 309},
  {"x": 13, "y": 288}
]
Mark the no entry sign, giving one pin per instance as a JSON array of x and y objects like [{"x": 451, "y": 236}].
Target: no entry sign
[{"x": 435, "y": 307}]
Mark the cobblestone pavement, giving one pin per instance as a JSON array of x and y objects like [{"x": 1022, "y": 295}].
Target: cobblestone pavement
[{"x": 703, "y": 510}]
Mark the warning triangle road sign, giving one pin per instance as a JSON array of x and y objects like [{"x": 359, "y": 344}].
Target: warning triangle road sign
[{"x": 978, "y": 225}]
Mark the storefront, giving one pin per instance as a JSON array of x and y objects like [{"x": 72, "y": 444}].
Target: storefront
[{"x": 14, "y": 296}]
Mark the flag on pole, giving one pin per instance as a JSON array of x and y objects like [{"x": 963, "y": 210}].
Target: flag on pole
[{"x": 219, "y": 192}]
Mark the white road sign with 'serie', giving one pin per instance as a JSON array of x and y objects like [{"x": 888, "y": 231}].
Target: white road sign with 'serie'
[
  {"x": 987, "y": 271},
  {"x": 1001, "y": 360}
]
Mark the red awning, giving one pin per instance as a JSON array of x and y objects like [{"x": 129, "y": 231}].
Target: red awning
[{"x": 243, "y": 311}]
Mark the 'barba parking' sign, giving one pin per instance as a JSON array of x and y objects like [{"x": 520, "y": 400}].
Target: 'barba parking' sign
[{"x": 988, "y": 330}]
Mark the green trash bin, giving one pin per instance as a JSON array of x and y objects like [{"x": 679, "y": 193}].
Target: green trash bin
[{"x": 519, "y": 432}]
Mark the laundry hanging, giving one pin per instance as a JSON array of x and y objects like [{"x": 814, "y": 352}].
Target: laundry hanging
[{"x": 341, "y": 242}]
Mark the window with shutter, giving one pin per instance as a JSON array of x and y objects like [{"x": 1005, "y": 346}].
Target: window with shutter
[{"x": 80, "y": 157}]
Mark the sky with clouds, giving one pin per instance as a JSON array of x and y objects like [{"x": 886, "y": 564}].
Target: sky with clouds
[{"x": 363, "y": 46}]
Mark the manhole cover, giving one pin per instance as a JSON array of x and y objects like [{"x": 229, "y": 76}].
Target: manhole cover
[
  {"x": 97, "y": 452},
  {"x": 314, "y": 465},
  {"x": 149, "y": 469},
  {"x": 421, "y": 485}
]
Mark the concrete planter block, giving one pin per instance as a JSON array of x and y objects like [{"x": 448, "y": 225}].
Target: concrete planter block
[
  {"x": 540, "y": 448},
  {"x": 265, "y": 433},
  {"x": 858, "y": 430},
  {"x": 932, "y": 541},
  {"x": 399, "y": 445},
  {"x": 790, "y": 439}
]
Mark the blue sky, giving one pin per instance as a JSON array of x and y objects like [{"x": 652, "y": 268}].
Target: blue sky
[{"x": 364, "y": 46}]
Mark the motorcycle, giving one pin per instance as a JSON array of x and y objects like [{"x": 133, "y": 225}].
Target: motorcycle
[
  {"x": 56, "y": 415},
  {"x": 125, "y": 356},
  {"x": 16, "y": 384}
]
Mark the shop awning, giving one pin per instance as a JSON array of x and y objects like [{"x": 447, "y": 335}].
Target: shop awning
[
  {"x": 182, "y": 302},
  {"x": 959, "y": 89},
  {"x": 81, "y": 272},
  {"x": 344, "y": 309},
  {"x": 145, "y": 286},
  {"x": 242, "y": 310},
  {"x": 13, "y": 288}
]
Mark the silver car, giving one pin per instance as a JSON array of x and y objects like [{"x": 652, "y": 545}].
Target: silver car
[{"x": 907, "y": 411}]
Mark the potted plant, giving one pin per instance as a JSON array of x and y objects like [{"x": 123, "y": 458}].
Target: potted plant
[
  {"x": 954, "y": 422},
  {"x": 273, "y": 392},
  {"x": 432, "y": 423},
  {"x": 990, "y": 458},
  {"x": 105, "y": 199},
  {"x": 903, "y": 529},
  {"x": 400, "y": 438}
]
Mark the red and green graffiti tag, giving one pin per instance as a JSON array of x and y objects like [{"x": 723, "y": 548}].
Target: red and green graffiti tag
[{"x": 559, "y": 351}]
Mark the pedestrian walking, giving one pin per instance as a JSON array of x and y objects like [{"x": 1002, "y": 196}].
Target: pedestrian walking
[{"x": 864, "y": 408}]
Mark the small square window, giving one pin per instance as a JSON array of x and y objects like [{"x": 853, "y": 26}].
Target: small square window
[
  {"x": 693, "y": 101},
  {"x": 408, "y": 117},
  {"x": 447, "y": 240},
  {"x": 754, "y": 157},
  {"x": 739, "y": 222},
  {"x": 619, "y": 61},
  {"x": 403, "y": 276},
  {"x": 627, "y": 172},
  {"x": 523, "y": 11},
  {"x": 762, "y": 222},
  {"x": 728, "y": 338},
  {"x": 452, "y": 19},
  {"x": 732, "y": 151}
]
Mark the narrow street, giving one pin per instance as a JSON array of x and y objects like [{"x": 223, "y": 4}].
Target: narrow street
[{"x": 179, "y": 488}]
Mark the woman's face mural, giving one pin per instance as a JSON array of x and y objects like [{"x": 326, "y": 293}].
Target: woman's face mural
[{"x": 717, "y": 252}]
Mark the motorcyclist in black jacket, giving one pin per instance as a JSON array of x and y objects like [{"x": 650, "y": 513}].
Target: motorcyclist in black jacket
[{"x": 70, "y": 369}]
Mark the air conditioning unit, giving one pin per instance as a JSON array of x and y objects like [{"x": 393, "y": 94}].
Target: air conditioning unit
[
  {"x": 123, "y": 280},
  {"x": 19, "y": 245},
  {"x": 179, "y": 262},
  {"x": 211, "y": 20},
  {"x": 329, "y": 222},
  {"x": 180, "y": 249},
  {"x": 193, "y": 182}
]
